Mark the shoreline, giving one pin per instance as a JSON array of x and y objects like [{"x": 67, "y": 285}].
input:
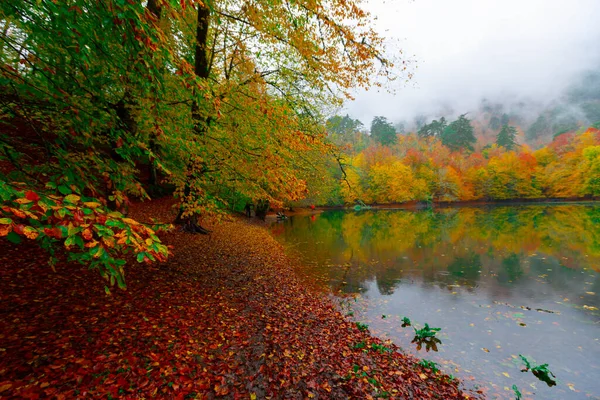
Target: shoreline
[
  {"x": 415, "y": 205},
  {"x": 226, "y": 316}
]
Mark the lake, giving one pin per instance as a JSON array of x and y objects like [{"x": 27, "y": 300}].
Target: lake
[{"x": 500, "y": 281}]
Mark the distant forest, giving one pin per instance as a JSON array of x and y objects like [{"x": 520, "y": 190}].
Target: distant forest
[{"x": 497, "y": 152}]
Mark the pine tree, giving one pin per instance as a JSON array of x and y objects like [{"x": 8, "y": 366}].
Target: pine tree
[
  {"x": 507, "y": 137},
  {"x": 382, "y": 131},
  {"x": 459, "y": 134}
]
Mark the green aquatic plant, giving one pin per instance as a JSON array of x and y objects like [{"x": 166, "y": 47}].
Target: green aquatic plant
[
  {"x": 540, "y": 371},
  {"x": 518, "y": 395},
  {"x": 406, "y": 322},
  {"x": 426, "y": 336},
  {"x": 426, "y": 332}
]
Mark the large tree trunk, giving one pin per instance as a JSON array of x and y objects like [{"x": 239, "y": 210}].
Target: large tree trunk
[{"x": 202, "y": 70}]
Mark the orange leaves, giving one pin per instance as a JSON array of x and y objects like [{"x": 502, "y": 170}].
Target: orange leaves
[
  {"x": 5, "y": 230},
  {"x": 87, "y": 234}
]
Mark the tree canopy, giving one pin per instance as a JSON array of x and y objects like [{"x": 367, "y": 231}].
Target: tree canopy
[
  {"x": 219, "y": 101},
  {"x": 459, "y": 134},
  {"x": 507, "y": 137},
  {"x": 434, "y": 129},
  {"x": 382, "y": 131}
]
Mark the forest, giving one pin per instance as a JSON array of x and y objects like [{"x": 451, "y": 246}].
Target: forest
[
  {"x": 440, "y": 163},
  {"x": 102, "y": 103}
]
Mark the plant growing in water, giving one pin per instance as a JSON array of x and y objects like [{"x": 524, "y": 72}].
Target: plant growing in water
[
  {"x": 426, "y": 332},
  {"x": 540, "y": 371},
  {"x": 426, "y": 335},
  {"x": 406, "y": 322},
  {"x": 517, "y": 393}
]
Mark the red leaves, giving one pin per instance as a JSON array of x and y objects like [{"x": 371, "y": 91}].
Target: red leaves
[
  {"x": 30, "y": 195},
  {"x": 199, "y": 325}
]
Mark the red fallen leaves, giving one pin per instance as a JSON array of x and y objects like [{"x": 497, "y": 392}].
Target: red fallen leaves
[
  {"x": 226, "y": 317},
  {"x": 30, "y": 195}
]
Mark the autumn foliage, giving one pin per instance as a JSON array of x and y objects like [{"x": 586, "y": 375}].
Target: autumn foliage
[
  {"x": 217, "y": 103},
  {"x": 424, "y": 169}
]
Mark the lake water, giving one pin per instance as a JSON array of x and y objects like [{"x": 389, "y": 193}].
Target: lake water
[{"x": 499, "y": 281}]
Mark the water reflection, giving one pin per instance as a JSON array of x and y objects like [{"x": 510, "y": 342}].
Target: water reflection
[{"x": 507, "y": 279}]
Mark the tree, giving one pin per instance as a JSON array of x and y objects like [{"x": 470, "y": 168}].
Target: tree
[
  {"x": 433, "y": 129},
  {"x": 459, "y": 134},
  {"x": 540, "y": 127},
  {"x": 383, "y": 131},
  {"x": 497, "y": 122},
  {"x": 400, "y": 127},
  {"x": 345, "y": 131},
  {"x": 419, "y": 121},
  {"x": 220, "y": 99},
  {"x": 507, "y": 137}
]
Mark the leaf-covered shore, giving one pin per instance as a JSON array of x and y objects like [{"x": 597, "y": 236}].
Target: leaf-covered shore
[{"x": 225, "y": 317}]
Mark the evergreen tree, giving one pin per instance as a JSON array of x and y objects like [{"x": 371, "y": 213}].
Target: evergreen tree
[
  {"x": 433, "y": 129},
  {"x": 459, "y": 134},
  {"x": 507, "y": 137},
  {"x": 382, "y": 131}
]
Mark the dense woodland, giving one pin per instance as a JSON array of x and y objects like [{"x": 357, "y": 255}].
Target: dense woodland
[
  {"x": 213, "y": 102},
  {"x": 440, "y": 163}
]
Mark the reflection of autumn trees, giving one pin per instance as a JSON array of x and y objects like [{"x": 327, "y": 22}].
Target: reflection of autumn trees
[{"x": 447, "y": 246}]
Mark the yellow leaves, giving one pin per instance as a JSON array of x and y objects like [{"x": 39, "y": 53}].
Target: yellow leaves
[
  {"x": 109, "y": 242},
  {"x": 30, "y": 233},
  {"x": 591, "y": 308},
  {"x": 423, "y": 376},
  {"x": 506, "y": 374},
  {"x": 91, "y": 204},
  {"x": 130, "y": 221},
  {"x": 72, "y": 198},
  {"x": 22, "y": 201}
]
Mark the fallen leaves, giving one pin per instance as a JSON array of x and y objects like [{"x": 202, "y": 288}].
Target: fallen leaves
[{"x": 225, "y": 317}]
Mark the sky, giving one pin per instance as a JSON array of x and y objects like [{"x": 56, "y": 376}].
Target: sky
[{"x": 465, "y": 50}]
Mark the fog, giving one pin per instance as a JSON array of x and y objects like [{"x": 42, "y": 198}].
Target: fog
[{"x": 506, "y": 51}]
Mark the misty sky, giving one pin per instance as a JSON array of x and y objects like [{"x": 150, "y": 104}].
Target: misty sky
[{"x": 468, "y": 49}]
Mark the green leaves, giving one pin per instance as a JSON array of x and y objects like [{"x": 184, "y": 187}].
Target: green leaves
[
  {"x": 13, "y": 238},
  {"x": 540, "y": 371},
  {"x": 361, "y": 326},
  {"x": 64, "y": 190},
  {"x": 426, "y": 332},
  {"x": 91, "y": 235}
]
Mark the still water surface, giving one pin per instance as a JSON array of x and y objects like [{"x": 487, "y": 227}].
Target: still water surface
[{"x": 499, "y": 280}]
